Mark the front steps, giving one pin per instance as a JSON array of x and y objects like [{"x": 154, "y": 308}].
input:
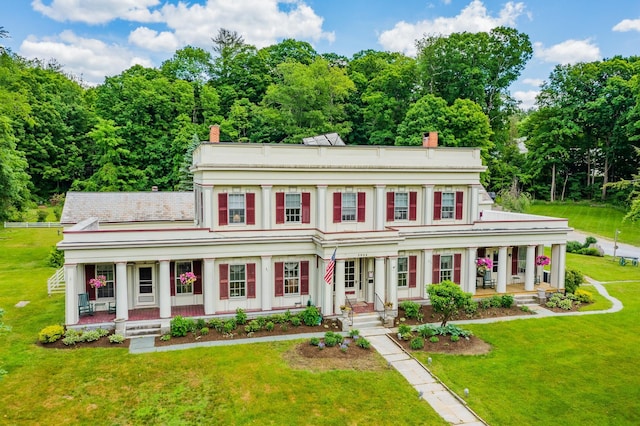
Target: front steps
[
  {"x": 525, "y": 299},
  {"x": 362, "y": 321},
  {"x": 139, "y": 330}
]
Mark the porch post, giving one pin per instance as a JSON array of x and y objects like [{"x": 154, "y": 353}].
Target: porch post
[
  {"x": 327, "y": 289},
  {"x": 379, "y": 282},
  {"x": 208, "y": 286},
  {"x": 427, "y": 205},
  {"x": 472, "y": 276},
  {"x": 380, "y": 211},
  {"x": 266, "y": 277},
  {"x": 371, "y": 298},
  {"x": 558, "y": 255},
  {"x": 266, "y": 206},
  {"x": 392, "y": 282},
  {"x": 502, "y": 270},
  {"x": 530, "y": 268},
  {"x": 164, "y": 289},
  {"x": 71, "y": 293},
  {"x": 122, "y": 303},
  {"x": 339, "y": 277}
]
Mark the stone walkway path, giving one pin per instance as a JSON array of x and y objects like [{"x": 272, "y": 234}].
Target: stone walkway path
[{"x": 445, "y": 402}]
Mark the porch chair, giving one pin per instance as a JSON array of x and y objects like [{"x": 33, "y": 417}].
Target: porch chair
[
  {"x": 84, "y": 306},
  {"x": 487, "y": 281}
]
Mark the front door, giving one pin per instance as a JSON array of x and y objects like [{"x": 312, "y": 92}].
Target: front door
[
  {"x": 145, "y": 288},
  {"x": 353, "y": 278}
]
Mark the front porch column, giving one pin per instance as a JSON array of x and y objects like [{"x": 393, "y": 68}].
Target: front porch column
[
  {"x": 473, "y": 210},
  {"x": 427, "y": 205},
  {"x": 472, "y": 276},
  {"x": 379, "y": 283},
  {"x": 392, "y": 281},
  {"x": 208, "y": 286},
  {"x": 266, "y": 277},
  {"x": 71, "y": 293},
  {"x": 502, "y": 270},
  {"x": 380, "y": 210},
  {"x": 122, "y": 301},
  {"x": 321, "y": 213},
  {"x": 427, "y": 271},
  {"x": 558, "y": 255},
  {"x": 327, "y": 289},
  {"x": 266, "y": 207},
  {"x": 371, "y": 298},
  {"x": 339, "y": 280},
  {"x": 164, "y": 289},
  {"x": 207, "y": 206},
  {"x": 530, "y": 270}
]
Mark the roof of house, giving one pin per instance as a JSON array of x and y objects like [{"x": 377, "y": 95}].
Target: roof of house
[{"x": 119, "y": 207}]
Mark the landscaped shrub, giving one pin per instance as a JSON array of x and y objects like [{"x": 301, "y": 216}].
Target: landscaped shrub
[
  {"x": 446, "y": 298},
  {"x": 229, "y": 325},
  {"x": 434, "y": 339},
  {"x": 295, "y": 321},
  {"x": 410, "y": 308},
  {"x": 55, "y": 258},
  {"x": 573, "y": 246},
  {"x": 565, "y": 304},
  {"x": 506, "y": 301},
  {"x": 426, "y": 331},
  {"x": 583, "y": 296},
  {"x": 471, "y": 308},
  {"x": 51, "y": 333},
  {"x": 241, "y": 316},
  {"x": 332, "y": 339},
  {"x": 363, "y": 343},
  {"x": 495, "y": 301},
  {"x": 311, "y": 316},
  {"x": 572, "y": 280},
  {"x": 416, "y": 343},
  {"x": 485, "y": 303},
  {"x": 354, "y": 332},
  {"x": 269, "y": 326},
  {"x": 589, "y": 251},
  {"x": 204, "y": 331},
  {"x": 90, "y": 336},
  {"x": 252, "y": 327},
  {"x": 116, "y": 338},
  {"x": 102, "y": 332},
  {"x": 217, "y": 324},
  {"x": 404, "y": 329},
  {"x": 455, "y": 338},
  {"x": 200, "y": 324},
  {"x": 165, "y": 337},
  {"x": 72, "y": 337},
  {"x": 180, "y": 326},
  {"x": 314, "y": 341}
]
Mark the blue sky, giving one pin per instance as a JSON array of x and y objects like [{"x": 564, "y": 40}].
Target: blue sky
[{"x": 97, "y": 38}]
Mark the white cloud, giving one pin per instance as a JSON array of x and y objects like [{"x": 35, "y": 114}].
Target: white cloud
[
  {"x": 568, "y": 52},
  {"x": 627, "y": 25},
  {"x": 153, "y": 40},
  {"x": 527, "y": 98},
  {"x": 98, "y": 11},
  {"x": 85, "y": 58},
  {"x": 537, "y": 82},
  {"x": 473, "y": 18}
]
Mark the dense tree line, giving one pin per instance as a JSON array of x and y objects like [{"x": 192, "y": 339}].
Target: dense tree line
[{"x": 138, "y": 128}]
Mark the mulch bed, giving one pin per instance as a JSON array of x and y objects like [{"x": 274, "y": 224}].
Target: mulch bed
[
  {"x": 103, "y": 342},
  {"x": 429, "y": 316},
  {"x": 471, "y": 346}
]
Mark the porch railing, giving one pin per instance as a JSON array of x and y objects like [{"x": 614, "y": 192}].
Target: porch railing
[
  {"x": 55, "y": 283},
  {"x": 380, "y": 302},
  {"x": 350, "y": 315}
]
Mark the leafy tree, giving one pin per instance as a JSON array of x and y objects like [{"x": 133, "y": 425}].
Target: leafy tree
[
  {"x": 447, "y": 298},
  {"x": 14, "y": 180}
]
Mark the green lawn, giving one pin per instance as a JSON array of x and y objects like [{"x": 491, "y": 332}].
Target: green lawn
[
  {"x": 244, "y": 384},
  {"x": 594, "y": 219}
]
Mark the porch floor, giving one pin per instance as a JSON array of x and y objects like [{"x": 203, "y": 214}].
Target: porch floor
[
  {"x": 143, "y": 314},
  {"x": 514, "y": 289}
]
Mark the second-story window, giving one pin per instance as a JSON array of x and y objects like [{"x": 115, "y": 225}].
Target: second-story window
[
  {"x": 401, "y": 206},
  {"x": 349, "y": 206},
  {"x": 293, "y": 208},
  {"x": 448, "y": 205},
  {"x": 236, "y": 208}
]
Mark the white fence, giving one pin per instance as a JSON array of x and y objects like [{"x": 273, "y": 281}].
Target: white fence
[
  {"x": 55, "y": 283},
  {"x": 31, "y": 224}
]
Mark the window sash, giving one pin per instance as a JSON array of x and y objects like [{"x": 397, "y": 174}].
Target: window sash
[
  {"x": 237, "y": 281},
  {"x": 403, "y": 271},
  {"x": 401, "y": 206},
  {"x": 349, "y": 274},
  {"x": 293, "y": 207},
  {"x": 349, "y": 206},
  {"x": 107, "y": 290},
  {"x": 236, "y": 206},
  {"x": 448, "y": 205},
  {"x": 291, "y": 278},
  {"x": 446, "y": 268},
  {"x": 181, "y": 268},
  {"x": 522, "y": 260}
]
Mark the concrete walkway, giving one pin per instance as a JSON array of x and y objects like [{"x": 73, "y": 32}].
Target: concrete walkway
[{"x": 445, "y": 402}]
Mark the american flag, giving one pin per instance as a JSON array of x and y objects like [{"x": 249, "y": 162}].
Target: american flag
[{"x": 328, "y": 273}]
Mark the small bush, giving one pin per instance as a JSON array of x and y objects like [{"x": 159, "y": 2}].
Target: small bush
[
  {"x": 565, "y": 304},
  {"x": 51, "y": 333},
  {"x": 485, "y": 303},
  {"x": 200, "y": 324},
  {"x": 573, "y": 246},
  {"x": 434, "y": 339},
  {"x": 525, "y": 308},
  {"x": 495, "y": 301},
  {"x": 354, "y": 332},
  {"x": 55, "y": 258},
  {"x": 102, "y": 332},
  {"x": 572, "y": 280},
  {"x": 269, "y": 326},
  {"x": 506, "y": 301},
  {"x": 229, "y": 325},
  {"x": 426, "y": 331},
  {"x": 284, "y": 327},
  {"x": 471, "y": 308},
  {"x": 455, "y": 338},
  {"x": 180, "y": 326},
  {"x": 332, "y": 339},
  {"x": 204, "y": 331},
  {"x": 363, "y": 343},
  {"x": 217, "y": 324},
  {"x": 589, "y": 251},
  {"x": 314, "y": 341},
  {"x": 583, "y": 296},
  {"x": 241, "y": 317},
  {"x": 42, "y": 215},
  {"x": 344, "y": 347},
  {"x": 404, "y": 329},
  {"x": 116, "y": 338},
  {"x": 410, "y": 308},
  {"x": 416, "y": 343},
  {"x": 295, "y": 321},
  {"x": 90, "y": 336},
  {"x": 72, "y": 337},
  {"x": 252, "y": 327},
  {"x": 311, "y": 316},
  {"x": 165, "y": 337}
]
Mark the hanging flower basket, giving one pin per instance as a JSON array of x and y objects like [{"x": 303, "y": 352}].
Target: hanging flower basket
[
  {"x": 542, "y": 260},
  {"x": 187, "y": 278},
  {"x": 99, "y": 281},
  {"x": 483, "y": 264}
]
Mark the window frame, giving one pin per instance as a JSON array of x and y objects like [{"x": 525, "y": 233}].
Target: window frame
[
  {"x": 109, "y": 287},
  {"x": 448, "y": 211},
  {"x": 446, "y": 273},
  {"x": 401, "y": 212},
  {"x": 346, "y": 211},
  {"x": 232, "y": 212},
  {"x": 237, "y": 284},
  {"x": 522, "y": 260},
  {"x": 291, "y": 279},
  {"x": 180, "y": 288},
  {"x": 403, "y": 273},
  {"x": 290, "y": 212},
  {"x": 350, "y": 275}
]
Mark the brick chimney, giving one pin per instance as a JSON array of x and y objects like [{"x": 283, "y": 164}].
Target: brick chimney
[
  {"x": 430, "y": 140},
  {"x": 214, "y": 133}
]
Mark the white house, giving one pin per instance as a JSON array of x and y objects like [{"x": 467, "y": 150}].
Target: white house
[{"x": 264, "y": 220}]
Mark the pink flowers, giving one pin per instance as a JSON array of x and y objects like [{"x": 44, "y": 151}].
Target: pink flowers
[
  {"x": 187, "y": 278},
  {"x": 99, "y": 281},
  {"x": 484, "y": 261},
  {"x": 542, "y": 260}
]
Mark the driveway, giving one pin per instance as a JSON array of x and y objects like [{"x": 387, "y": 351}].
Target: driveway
[{"x": 625, "y": 250}]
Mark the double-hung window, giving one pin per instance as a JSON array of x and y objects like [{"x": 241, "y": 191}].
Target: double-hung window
[
  {"x": 349, "y": 206},
  {"x": 401, "y": 206},
  {"x": 448, "y": 205},
  {"x": 107, "y": 290},
  {"x": 236, "y": 208},
  {"x": 237, "y": 281},
  {"x": 291, "y": 278},
  {"x": 182, "y": 268},
  {"x": 446, "y": 268},
  {"x": 403, "y": 271},
  {"x": 293, "y": 207}
]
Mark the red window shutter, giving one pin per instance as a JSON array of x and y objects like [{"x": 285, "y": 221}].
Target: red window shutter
[
  {"x": 337, "y": 207},
  {"x": 413, "y": 262},
  {"x": 279, "y": 207},
  {"x": 459, "y": 198},
  {"x": 172, "y": 278},
  {"x": 435, "y": 276},
  {"x": 279, "y": 279},
  {"x": 89, "y": 274},
  {"x": 391, "y": 200},
  {"x": 457, "y": 260},
  {"x": 304, "y": 277},
  {"x": 306, "y": 207},
  {"x": 223, "y": 218},
  {"x": 224, "y": 281},
  {"x": 197, "y": 270},
  {"x": 362, "y": 198},
  {"x": 250, "y": 198},
  {"x": 413, "y": 205},
  {"x": 437, "y": 205},
  {"x": 514, "y": 260},
  {"x": 251, "y": 280}
]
